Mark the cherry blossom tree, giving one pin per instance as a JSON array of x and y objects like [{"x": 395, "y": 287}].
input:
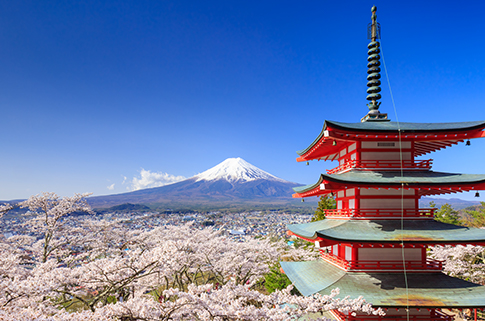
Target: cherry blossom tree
[
  {"x": 49, "y": 210},
  {"x": 466, "y": 262},
  {"x": 232, "y": 302},
  {"x": 204, "y": 302},
  {"x": 5, "y": 208},
  {"x": 87, "y": 269}
]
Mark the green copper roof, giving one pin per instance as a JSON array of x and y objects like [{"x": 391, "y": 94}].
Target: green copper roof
[
  {"x": 305, "y": 188},
  {"x": 394, "y": 178},
  {"x": 388, "y": 231},
  {"x": 395, "y": 126},
  {"x": 406, "y": 127},
  {"x": 425, "y": 290},
  {"x": 308, "y": 277}
]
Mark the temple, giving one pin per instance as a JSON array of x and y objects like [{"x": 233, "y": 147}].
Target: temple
[{"x": 374, "y": 243}]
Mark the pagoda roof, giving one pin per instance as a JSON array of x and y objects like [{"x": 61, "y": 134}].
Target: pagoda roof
[
  {"x": 429, "y": 137},
  {"x": 386, "y": 290},
  {"x": 407, "y": 127},
  {"x": 387, "y": 231},
  {"x": 426, "y": 182}
]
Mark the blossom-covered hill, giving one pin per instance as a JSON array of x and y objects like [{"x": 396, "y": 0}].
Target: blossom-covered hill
[{"x": 232, "y": 181}]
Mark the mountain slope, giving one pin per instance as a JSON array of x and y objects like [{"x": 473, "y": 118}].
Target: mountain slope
[
  {"x": 232, "y": 181},
  {"x": 235, "y": 170}
]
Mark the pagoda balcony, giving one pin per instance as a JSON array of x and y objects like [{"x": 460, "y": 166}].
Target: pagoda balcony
[
  {"x": 382, "y": 165},
  {"x": 429, "y": 264},
  {"x": 436, "y": 316},
  {"x": 387, "y": 266},
  {"x": 379, "y": 213}
]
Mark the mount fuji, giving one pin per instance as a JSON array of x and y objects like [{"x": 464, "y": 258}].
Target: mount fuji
[
  {"x": 235, "y": 170},
  {"x": 234, "y": 181}
]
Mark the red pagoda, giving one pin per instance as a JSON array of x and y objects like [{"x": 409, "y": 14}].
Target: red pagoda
[{"x": 374, "y": 244}]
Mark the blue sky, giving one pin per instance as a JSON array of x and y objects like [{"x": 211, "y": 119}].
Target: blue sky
[{"x": 95, "y": 94}]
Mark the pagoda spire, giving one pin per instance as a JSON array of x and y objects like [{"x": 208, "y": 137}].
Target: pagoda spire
[{"x": 374, "y": 72}]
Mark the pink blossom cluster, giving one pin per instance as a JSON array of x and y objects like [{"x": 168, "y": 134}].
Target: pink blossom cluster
[
  {"x": 466, "y": 262},
  {"x": 100, "y": 270}
]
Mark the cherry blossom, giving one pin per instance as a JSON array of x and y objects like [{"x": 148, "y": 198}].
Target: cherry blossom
[
  {"x": 466, "y": 262},
  {"x": 110, "y": 272},
  {"x": 48, "y": 210}
]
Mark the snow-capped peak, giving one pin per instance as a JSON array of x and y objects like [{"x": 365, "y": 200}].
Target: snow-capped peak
[{"x": 235, "y": 169}]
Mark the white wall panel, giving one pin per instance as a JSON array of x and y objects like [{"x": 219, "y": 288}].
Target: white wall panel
[
  {"x": 385, "y": 156},
  {"x": 388, "y": 254},
  {"x": 352, "y": 147},
  {"x": 384, "y": 191},
  {"x": 351, "y": 203},
  {"x": 386, "y": 145},
  {"x": 335, "y": 250},
  {"x": 386, "y": 203},
  {"x": 348, "y": 253}
]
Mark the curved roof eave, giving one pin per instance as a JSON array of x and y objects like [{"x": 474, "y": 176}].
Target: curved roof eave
[
  {"x": 407, "y": 127},
  {"x": 394, "y": 127},
  {"x": 388, "y": 231},
  {"x": 394, "y": 178},
  {"x": 385, "y": 290},
  {"x": 316, "y": 140},
  {"x": 310, "y": 230},
  {"x": 305, "y": 188}
]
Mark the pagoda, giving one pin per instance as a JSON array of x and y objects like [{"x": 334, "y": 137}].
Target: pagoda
[{"x": 374, "y": 243}]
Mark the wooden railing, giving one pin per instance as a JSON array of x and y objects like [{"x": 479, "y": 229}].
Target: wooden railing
[
  {"x": 429, "y": 264},
  {"x": 381, "y": 213},
  {"x": 335, "y": 260},
  {"x": 383, "y": 164},
  {"x": 437, "y": 316}
]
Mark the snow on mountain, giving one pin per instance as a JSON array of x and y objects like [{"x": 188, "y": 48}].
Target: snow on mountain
[
  {"x": 235, "y": 170},
  {"x": 234, "y": 181}
]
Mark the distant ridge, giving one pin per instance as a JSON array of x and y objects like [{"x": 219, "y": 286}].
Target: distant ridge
[
  {"x": 234, "y": 181},
  {"x": 456, "y": 203}
]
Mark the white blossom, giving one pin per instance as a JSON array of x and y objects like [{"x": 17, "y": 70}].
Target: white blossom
[
  {"x": 466, "y": 262},
  {"x": 167, "y": 273}
]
